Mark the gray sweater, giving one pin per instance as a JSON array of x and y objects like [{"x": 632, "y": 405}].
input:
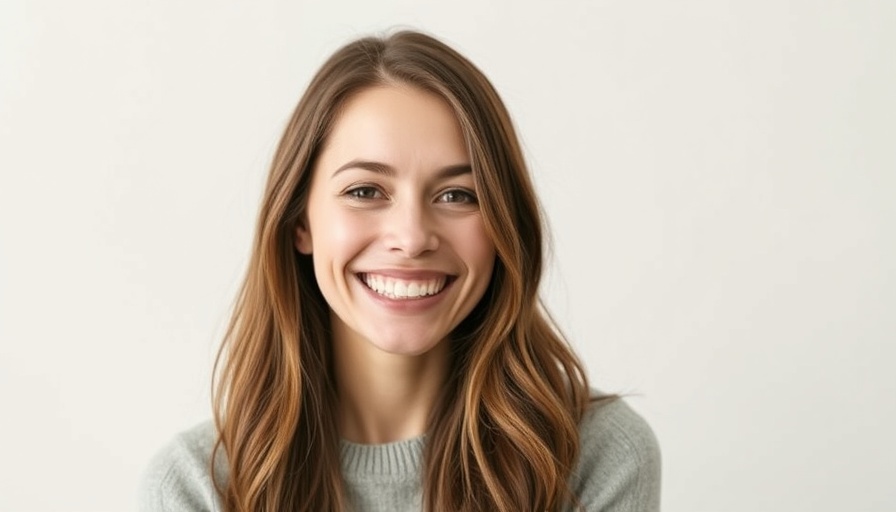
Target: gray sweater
[{"x": 618, "y": 469}]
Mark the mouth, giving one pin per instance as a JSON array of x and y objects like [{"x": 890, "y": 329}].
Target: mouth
[{"x": 405, "y": 289}]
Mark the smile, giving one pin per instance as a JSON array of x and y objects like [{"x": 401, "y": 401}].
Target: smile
[{"x": 403, "y": 289}]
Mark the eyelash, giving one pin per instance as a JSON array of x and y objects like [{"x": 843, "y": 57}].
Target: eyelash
[
  {"x": 369, "y": 193},
  {"x": 468, "y": 196},
  {"x": 356, "y": 192}
]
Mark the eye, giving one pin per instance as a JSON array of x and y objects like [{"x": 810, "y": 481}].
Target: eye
[
  {"x": 458, "y": 195},
  {"x": 364, "y": 192}
]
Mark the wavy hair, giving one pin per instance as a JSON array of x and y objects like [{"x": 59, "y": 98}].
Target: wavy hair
[{"x": 504, "y": 434}]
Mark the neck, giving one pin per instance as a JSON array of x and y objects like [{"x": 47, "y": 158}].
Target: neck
[{"x": 386, "y": 397}]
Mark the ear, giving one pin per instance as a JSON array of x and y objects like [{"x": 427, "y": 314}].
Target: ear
[{"x": 303, "y": 238}]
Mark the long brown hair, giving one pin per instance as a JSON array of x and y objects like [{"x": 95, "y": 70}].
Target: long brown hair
[{"x": 504, "y": 435}]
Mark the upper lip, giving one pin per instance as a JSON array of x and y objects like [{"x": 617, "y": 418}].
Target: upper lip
[{"x": 409, "y": 274}]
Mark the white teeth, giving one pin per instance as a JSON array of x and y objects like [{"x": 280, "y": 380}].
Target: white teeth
[{"x": 402, "y": 289}]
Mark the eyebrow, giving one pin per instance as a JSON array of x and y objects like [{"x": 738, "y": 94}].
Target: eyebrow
[{"x": 386, "y": 169}]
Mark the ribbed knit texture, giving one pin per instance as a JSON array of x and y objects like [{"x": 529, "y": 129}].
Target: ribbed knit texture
[
  {"x": 618, "y": 469},
  {"x": 384, "y": 477},
  {"x": 393, "y": 459}
]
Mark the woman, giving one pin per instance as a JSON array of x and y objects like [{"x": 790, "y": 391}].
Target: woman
[{"x": 388, "y": 350}]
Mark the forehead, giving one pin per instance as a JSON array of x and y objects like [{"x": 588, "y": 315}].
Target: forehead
[{"x": 396, "y": 124}]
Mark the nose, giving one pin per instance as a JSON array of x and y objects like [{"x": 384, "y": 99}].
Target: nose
[{"x": 410, "y": 229}]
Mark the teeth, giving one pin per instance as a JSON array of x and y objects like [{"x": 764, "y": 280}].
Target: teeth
[{"x": 402, "y": 289}]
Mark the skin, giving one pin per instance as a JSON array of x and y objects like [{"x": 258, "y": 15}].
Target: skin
[{"x": 392, "y": 196}]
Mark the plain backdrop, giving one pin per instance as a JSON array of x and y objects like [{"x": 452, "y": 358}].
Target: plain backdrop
[{"x": 719, "y": 177}]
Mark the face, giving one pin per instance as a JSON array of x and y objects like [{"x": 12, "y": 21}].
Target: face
[{"x": 393, "y": 224}]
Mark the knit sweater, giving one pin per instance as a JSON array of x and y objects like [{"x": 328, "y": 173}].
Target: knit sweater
[{"x": 618, "y": 469}]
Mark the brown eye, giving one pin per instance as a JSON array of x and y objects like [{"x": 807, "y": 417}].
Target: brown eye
[
  {"x": 364, "y": 192},
  {"x": 458, "y": 196}
]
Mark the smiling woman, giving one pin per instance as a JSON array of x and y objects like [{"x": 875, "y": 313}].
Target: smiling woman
[{"x": 388, "y": 350}]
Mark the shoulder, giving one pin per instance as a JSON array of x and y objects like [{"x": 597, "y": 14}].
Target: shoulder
[
  {"x": 178, "y": 478},
  {"x": 619, "y": 460}
]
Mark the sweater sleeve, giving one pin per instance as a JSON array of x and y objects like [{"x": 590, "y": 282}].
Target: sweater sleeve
[
  {"x": 178, "y": 477},
  {"x": 619, "y": 463}
]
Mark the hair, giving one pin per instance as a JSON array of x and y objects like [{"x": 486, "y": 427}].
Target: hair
[{"x": 504, "y": 434}]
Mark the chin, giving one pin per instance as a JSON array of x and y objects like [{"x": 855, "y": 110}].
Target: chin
[{"x": 403, "y": 346}]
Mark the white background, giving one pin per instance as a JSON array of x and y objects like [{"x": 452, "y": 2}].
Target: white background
[{"x": 719, "y": 176}]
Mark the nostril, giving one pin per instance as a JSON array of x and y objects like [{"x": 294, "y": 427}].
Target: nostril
[{"x": 413, "y": 242}]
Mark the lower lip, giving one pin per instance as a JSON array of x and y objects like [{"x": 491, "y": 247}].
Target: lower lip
[{"x": 407, "y": 306}]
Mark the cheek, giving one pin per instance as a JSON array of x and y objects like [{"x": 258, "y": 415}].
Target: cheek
[
  {"x": 340, "y": 235},
  {"x": 478, "y": 247}
]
